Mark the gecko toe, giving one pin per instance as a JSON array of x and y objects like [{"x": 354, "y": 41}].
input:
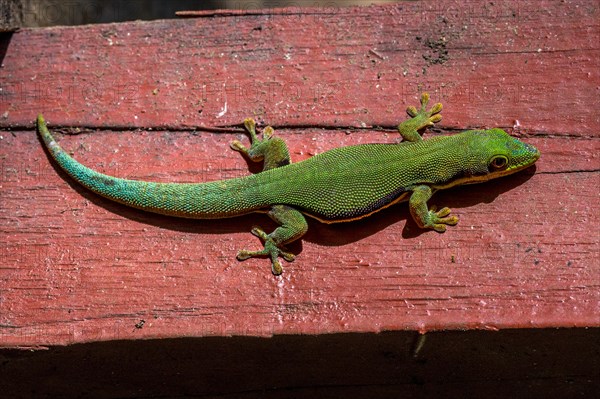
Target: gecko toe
[
  {"x": 440, "y": 228},
  {"x": 412, "y": 111},
  {"x": 436, "y": 109},
  {"x": 443, "y": 212},
  {"x": 424, "y": 100},
  {"x": 276, "y": 268},
  {"x": 236, "y": 145}
]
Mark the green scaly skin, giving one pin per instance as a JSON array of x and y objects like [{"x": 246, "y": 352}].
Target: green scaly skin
[{"x": 339, "y": 185}]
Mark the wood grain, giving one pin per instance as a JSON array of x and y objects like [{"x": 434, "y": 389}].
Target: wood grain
[
  {"x": 531, "y": 62},
  {"x": 144, "y": 100}
]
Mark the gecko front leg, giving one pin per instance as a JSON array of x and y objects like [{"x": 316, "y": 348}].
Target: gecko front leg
[
  {"x": 429, "y": 218},
  {"x": 420, "y": 119}
]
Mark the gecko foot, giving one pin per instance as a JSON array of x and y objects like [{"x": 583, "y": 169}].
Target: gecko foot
[
  {"x": 272, "y": 150},
  {"x": 250, "y": 126},
  {"x": 271, "y": 250},
  {"x": 440, "y": 219},
  {"x": 422, "y": 117}
]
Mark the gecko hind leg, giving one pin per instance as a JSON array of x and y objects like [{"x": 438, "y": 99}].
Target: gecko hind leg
[
  {"x": 272, "y": 150},
  {"x": 420, "y": 119},
  {"x": 292, "y": 226}
]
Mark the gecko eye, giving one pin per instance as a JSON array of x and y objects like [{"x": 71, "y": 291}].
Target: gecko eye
[{"x": 498, "y": 163}]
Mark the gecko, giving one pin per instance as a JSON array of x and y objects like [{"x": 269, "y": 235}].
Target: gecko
[{"x": 343, "y": 184}]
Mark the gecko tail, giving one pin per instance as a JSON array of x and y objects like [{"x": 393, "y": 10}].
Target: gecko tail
[
  {"x": 98, "y": 182},
  {"x": 51, "y": 145},
  {"x": 206, "y": 200}
]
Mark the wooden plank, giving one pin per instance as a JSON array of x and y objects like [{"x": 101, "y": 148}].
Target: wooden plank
[
  {"x": 78, "y": 268},
  {"x": 92, "y": 269},
  {"x": 494, "y": 65}
]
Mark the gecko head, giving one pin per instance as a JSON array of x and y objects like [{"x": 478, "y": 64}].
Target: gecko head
[{"x": 493, "y": 153}]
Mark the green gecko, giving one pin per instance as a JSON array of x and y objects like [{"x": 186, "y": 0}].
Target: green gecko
[{"x": 339, "y": 185}]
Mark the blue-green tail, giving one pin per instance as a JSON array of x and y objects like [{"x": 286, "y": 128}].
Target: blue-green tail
[{"x": 218, "y": 199}]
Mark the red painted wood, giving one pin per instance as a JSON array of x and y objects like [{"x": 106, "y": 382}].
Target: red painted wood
[
  {"x": 504, "y": 63},
  {"x": 78, "y": 268}
]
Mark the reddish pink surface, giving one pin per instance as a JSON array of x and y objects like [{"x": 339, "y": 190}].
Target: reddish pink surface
[{"x": 78, "y": 268}]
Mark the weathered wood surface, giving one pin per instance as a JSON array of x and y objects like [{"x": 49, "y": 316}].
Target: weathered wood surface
[{"x": 78, "y": 268}]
